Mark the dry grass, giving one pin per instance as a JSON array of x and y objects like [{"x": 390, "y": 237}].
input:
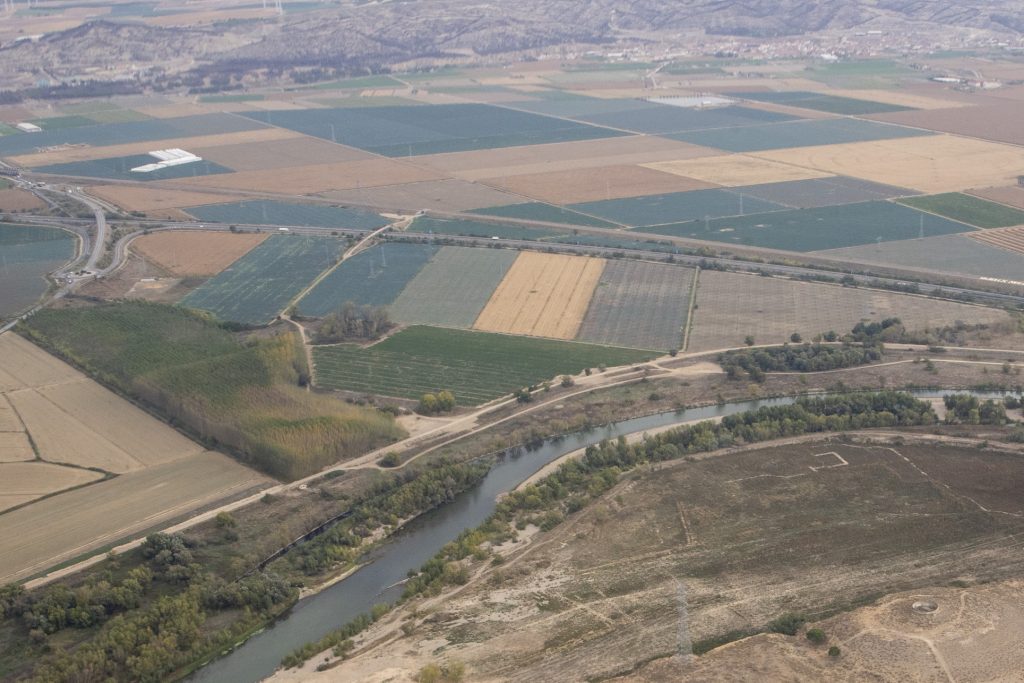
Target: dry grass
[
  {"x": 561, "y": 156},
  {"x": 320, "y": 177},
  {"x": 19, "y": 200},
  {"x": 61, "y": 527},
  {"x": 25, "y": 481},
  {"x": 149, "y": 198},
  {"x": 280, "y": 154},
  {"x": 62, "y": 156},
  {"x": 940, "y": 163},
  {"x": 731, "y": 306},
  {"x": 1005, "y": 238},
  {"x": 735, "y": 170},
  {"x": 187, "y": 253},
  {"x": 543, "y": 295},
  {"x": 595, "y": 184}
]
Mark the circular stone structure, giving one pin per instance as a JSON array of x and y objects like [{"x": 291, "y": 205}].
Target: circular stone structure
[{"x": 925, "y": 606}]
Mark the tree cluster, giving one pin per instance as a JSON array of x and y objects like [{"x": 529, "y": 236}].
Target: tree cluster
[
  {"x": 968, "y": 409},
  {"x": 803, "y": 358},
  {"x": 432, "y": 404},
  {"x": 352, "y": 322}
]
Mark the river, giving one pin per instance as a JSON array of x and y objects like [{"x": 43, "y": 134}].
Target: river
[{"x": 378, "y": 580}]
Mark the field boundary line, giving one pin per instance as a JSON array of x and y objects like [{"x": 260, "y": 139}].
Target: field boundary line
[{"x": 689, "y": 310}]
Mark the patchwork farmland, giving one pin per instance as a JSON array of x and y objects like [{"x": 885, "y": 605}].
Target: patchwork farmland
[
  {"x": 476, "y": 366},
  {"x": 453, "y": 287},
  {"x": 1011, "y": 239},
  {"x": 677, "y": 206},
  {"x": 195, "y": 253},
  {"x": 257, "y": 287},
  {"x": 967, "y": 209},
  {"x": 638, "y": 304},
  {"x": 374, "y": 277},
  {"x": 82, "y": 435},
  {"x": 795, "y": 134},
  {"x": 269, "y": 212},
  {"x": 543, "y": 295}
]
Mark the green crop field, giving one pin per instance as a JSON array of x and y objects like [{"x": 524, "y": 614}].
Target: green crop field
[
  {"x": 373, "y": 277},
  {"x": 538, "y": 211},
  {"x": 676, "y": 207},
  {"x": 453, "y": 287},
  {"x": 820, "y": 102},
  {"x": 433, "y": 129},
  {"x": 475, "y": 366},
  {"x": 243, "y": 394},
  {"x": 257, "y": 287},
  {"x": 59, "y": 122},
  {"x": 640, "y": 305},
  {"x": 509, "y": 231},
  {"x": 269, "y": 212},
  {"x": 829, "y": 227},
  {"x": 967, "y": 209},
  {"x": 27, "y": 254}
]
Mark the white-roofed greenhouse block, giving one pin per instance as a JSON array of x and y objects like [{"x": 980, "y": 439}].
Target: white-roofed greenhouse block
[{"x": 167, "y": 158}]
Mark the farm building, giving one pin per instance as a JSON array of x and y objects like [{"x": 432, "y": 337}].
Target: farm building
[{"x": 28, "y": 128}]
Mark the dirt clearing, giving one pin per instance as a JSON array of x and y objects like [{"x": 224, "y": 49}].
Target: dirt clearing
[
  {"x": 194, "y": 253},
  {"x": 542, "y": 295},
  {"x": 735, "y": 170},
  {"x": 933, "y": 164},
  {"x": 596, "y": 184}
]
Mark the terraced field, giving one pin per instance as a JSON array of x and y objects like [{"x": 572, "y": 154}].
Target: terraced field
[
  {"x": 375, "y": 277},
  {"x": 640, "y": 305},
  {"x": 453, "y": 287},
  {"x": 268, "y": 212},
  {"x": 257, "y": 287},
  {"x": 476, "y": 366}
]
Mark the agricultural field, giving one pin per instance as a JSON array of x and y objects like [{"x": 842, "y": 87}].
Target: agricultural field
[
  {"x": 512, "y": 231},
  {"x": 136, "y": 198},
  {"x": 476, "y": 366},
  {"x": 120, "y": 168},
  {"x": 373, "y": 277},
  {"x": 273, "y": 154},
  {"x": 538, "y": 211},
  {"x": 270, "y": 212},
  {"x": 760, "y": 138},
  {"x": 453, "y": 287},
  {"x": 566, "y": 156},
  {"x": 104, "y": 134},
  {"x": 975, "y": 254},
  {"x": 936, "y": 163},
  {"x": 677, "y": 206},
  {"x": 1012, "y": 195},
  {"x": 731, "y": 306},
  {"x": 593, "y": 184},
  {"x": 639, "y": 305},
  {"x": 1011, "y": 239},
  {"x": 27, "y": 255},
  {"x": 832, "y": 104},
  {"x": 543, "y": 295},
  {"x": 820, "y": 192},
  {"x": 260, "y": 285},
  {"x": 15, "y": 201},
  {"x": 734, "y": 170},
  {"x": 409, "y": 131},
  {"x": 347, "y": 175},
  {"x": 967, "y": 209},
  {"x": 691, "y": 554},
  {"x": 450, "y": 194},
  {"x": 82, "y": 434},
  {"x": 995, "y": 122},
  {"x": 817, "y": 229},
  {"x": 663, "y": 119},
  {"x": 194, "y": 253}
]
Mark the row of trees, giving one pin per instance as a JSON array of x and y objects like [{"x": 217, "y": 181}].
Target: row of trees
[{"x": 803, "y": 358}]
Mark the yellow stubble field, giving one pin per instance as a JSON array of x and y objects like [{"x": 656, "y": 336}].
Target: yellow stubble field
[
  {"x": 736, "y": 170},
  {"x": 195, "y": 253},
  {"x": 542, "y": 295}
]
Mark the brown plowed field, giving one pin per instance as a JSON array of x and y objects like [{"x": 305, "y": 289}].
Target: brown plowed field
[
  {"x": 31, "y": 480},
  {"x": 735, "y": 170},
  {"x": 280, "y": 154},
  {"x": 149, "y": 198},
  {"x": 1011, "y": 195},
  {"x": 320, "y": 177},
  {"x": 62, "y": 156},
  {"x": 543, "y": 295},
  {"x": 19, "y": 200},
  {"x": 899, "y": 98},
  {"x": 443, "y": 195},
  {"x": 194, "y": 253},
  {"x": 561, "y": 156},
  {"x": 1006, "y": 238},
  {"x": 732, "y": 305},
  {"x": 596, "y": 184},
  {"x": 15, "y": 447},
  {"x": 939, "y": 163},
  {"x": 999, "y": 123}
]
